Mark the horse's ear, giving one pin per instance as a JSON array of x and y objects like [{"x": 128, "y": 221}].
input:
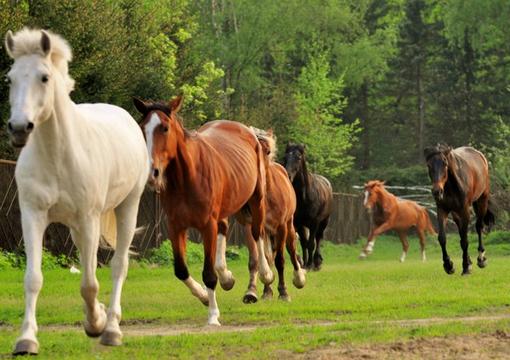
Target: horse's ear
[
  {"x": 9, "y": 44},
  {"x": 140, "y": 105},
  {"x": 45, "y": 43},
  {"x": 428, "y": 151},
  {"x": 176, "y": 103}
]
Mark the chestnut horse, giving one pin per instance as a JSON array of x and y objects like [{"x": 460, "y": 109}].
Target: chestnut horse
[
  {"x": 391, "y": 213},
  {"x": 460, "y": 178},
  {"x": 314, "y": 196},
  {"x": 280, "y": 206},
  {"x": 202, "y": 178}
]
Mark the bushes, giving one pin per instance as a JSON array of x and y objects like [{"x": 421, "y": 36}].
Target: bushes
[{"x": 9, "y": 260}]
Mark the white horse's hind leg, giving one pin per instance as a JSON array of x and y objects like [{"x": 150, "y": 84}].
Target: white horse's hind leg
[
  {"x": 34, "y": 224},
  {"x": 86, "y": 238},
  {"x": 126, "y": 214}
]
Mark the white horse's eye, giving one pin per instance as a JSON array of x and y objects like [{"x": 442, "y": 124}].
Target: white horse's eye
[{"x": 44, "y": 78}]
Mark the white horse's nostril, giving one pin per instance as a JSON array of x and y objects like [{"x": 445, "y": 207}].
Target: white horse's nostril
[{"x": 156, "y": 173}]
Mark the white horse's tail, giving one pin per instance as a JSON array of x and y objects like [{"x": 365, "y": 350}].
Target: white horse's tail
[{"x": 109, "y": 229}]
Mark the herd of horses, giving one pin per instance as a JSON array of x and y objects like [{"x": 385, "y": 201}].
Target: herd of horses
[{"x": 85, "y": 164}]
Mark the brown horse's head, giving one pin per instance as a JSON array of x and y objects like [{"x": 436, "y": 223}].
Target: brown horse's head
[
  {"x": 437, "y": 158},
  {"x": 162, "y": 131},
  {"x": 373, "y": 190},
  {"x": 294, "y": 161}
]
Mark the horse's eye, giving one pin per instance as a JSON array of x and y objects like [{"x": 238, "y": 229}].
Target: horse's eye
[
  {"x": 44, "y": 78},
  {"x": 165, "y": 128}
]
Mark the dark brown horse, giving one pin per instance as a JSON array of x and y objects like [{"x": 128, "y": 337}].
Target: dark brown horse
[
  {"x": 203, "y": 177},
  {"x": 460, "y": 178},
  {"x": 389, "y": 212},
  {"x": 280, "y": 233},
  {"x": 314, "y": 196}
]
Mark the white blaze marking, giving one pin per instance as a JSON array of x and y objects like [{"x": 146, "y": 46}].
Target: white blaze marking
[
  {"x": 149, "y": 133},
  {"x": 366, "y": 199}
]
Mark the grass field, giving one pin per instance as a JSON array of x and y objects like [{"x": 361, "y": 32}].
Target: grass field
[{"x": 347, "y": 302}]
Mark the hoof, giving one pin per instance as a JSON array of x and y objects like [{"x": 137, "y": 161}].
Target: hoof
[
  {"x": 481, "y": 262},
  {"x": 362, "y": 256},
  {"x": 448, "y": 267},
  {"x": 250, "y": 298},
  {"x": 111, "y": 338},
  {"x": 229, "y": 284},
  {"x": 466, "y": 272},
  {"x": 268, "y": 293},
  {"x": 299, "y": 279},
  {"x": 26, "y": 347},
  {"x": 284, "y": 297},
  {"x": 213, "y": 322},
  {"x": 96, "y": 331}
]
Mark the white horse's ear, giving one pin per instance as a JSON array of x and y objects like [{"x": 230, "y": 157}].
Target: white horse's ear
[
  {"x": 9, "y": 43},
  {"x": 45, "y": 42},
  {"x": 176, "y": 103}
]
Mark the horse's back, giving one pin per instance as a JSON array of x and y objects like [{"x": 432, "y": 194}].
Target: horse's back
[{"x": 473, "y": 170}]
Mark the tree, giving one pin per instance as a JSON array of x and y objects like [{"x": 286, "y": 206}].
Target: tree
[{"x": 319, "y": 105}]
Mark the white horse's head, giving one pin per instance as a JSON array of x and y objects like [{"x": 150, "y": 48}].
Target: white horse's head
[{"x": 40, "y": 65}]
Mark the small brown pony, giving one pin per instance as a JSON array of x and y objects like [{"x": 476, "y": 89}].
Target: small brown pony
[
  {"x": 391, "y": 213},
  {"x": 280, "y": 206},
  {"x": 460, "y": 178},
  {"x": 203, "y": 177}
]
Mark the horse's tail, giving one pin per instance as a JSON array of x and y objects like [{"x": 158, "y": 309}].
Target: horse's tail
[
  {"x": 489, "y": 218},
  {"x": 428, "y": 223},
  {"x": 109, "y": 228}
]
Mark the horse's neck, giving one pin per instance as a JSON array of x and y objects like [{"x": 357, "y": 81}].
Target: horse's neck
[
  {"x": 181, "y": 170},
  {"x": 386, "y": 199},
  {"x": 54, "y": 137},
  {"x": 303, "y": 184}
]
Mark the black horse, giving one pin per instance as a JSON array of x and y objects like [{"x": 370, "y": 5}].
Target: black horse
[
  {"x": 460, "y": 177},
  {"x": 314, "y": 204}
]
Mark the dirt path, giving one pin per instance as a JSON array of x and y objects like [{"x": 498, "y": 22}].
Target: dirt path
[
  {"x": 473, "y": 347},
  {"x": 144, "y": 328}
]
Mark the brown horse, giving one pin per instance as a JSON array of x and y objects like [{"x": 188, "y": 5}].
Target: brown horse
[
  {"x": 203, "y": 177},
  {"x": 389, "y": 212},
  {"x": 460, "y": 178},
  {"x": 280, "y": 205}
]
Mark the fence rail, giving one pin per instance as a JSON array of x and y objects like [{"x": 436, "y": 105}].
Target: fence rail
[{"x": 348, "y": 222}]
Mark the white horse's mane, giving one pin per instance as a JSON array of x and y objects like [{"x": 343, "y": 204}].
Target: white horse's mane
[
  {"x": 28, "y": 42},
  {"x": 269, "y": 138}
]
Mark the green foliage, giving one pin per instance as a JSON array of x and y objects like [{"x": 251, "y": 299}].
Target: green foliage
[
  {"x": 10, "y": 260},
  {"x": 320, "y": 104},
  {"x": 163, "y": 255}
]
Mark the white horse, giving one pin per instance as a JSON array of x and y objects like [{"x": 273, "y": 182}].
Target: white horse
[{"x": 80, "y": 165}]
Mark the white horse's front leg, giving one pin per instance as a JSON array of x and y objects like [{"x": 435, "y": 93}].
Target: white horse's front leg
[
  {"x": 86, "y": 238},
  {"x": 33, "y": 223},
  {"x": 126, "y": 224}
]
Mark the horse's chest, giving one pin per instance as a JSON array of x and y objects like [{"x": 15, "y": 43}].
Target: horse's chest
[{"x": 378, "y": 215}]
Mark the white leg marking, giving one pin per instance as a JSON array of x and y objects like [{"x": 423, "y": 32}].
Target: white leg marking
[
  {"x": 214, "y": 311},
  {"x": 197, "y": 290},
  {"x": 403, "y": 256},
  {"x": 370, "y": 247},
  {"x": 481, "y": 254},
  {"x": 225, "y": 276},
  {"x": 423, "y": 256},
  {"x": 266, "y": 275}
]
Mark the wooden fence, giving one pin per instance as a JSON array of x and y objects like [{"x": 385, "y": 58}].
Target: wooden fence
[{"x": 348, "y": 222}]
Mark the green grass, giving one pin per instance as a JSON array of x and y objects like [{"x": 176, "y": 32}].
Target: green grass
[{"x": 358, "y": 299}]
